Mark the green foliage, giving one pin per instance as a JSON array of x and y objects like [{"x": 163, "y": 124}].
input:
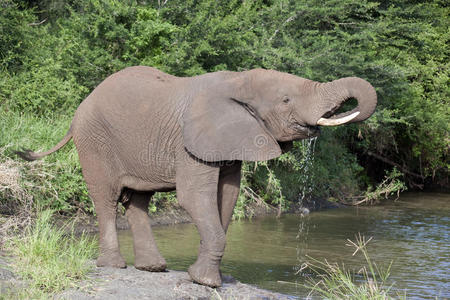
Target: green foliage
[
  {"x": 62, "y": 62},
  {"x": 50, "y": 259},
  {"x": 392, "y": 184},
  {"x": 15, "y": 35}
]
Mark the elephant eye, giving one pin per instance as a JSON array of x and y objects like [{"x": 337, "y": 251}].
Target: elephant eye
[{"x": 286, "y": 100}]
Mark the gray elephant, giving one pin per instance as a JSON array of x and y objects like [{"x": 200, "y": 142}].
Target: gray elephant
[{"x": 142, "y": 131}]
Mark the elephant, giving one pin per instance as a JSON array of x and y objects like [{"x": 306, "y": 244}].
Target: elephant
[{"x": 143, "y": 131}]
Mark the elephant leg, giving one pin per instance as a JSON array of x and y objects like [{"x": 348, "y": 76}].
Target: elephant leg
[
  {"x": 146, "y": 254},
  {"x": 229, "y": 184},
  {"x": 105, "y": 193},
  {"x": 197, "y": 193},
  {"x": 109, "y": 245}
]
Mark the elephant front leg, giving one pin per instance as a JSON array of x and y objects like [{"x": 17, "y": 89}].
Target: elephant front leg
[
  {"x": 229, "y": 184},
  {"x": 197, "y": 193},
  {"x": 146, "y": 253}
]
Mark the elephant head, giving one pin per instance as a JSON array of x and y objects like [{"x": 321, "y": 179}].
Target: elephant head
[{"x": 246, "y": 116}]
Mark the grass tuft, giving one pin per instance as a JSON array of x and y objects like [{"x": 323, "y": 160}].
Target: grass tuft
[
  {"x": 338, "y": 282},
  {"x": 51, "y": 258}
]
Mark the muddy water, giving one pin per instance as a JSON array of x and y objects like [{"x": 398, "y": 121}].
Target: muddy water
[{"x": 266, "y": 252}]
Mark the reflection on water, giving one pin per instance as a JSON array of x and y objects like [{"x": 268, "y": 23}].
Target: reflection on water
[{"x": 413, "y": 232}]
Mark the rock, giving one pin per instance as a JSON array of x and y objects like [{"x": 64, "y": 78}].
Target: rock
[
  {"x": 6, "y": 275},
  {"x": 130, "y": 283},
  {"x": 8, "y": 282},
  {"x": 304, "y": 211}
]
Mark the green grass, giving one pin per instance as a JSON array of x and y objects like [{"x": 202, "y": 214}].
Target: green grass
[
  {"x": 55, "y": 182},
  {"x": 50, "y": 258},
  {"x": 336, "y": 282}
]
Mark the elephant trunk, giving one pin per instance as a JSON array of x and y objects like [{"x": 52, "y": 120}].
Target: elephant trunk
[{"x": 335, "y": 93}]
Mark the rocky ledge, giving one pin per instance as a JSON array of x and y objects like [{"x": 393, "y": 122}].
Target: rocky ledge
[{"x": 130, "y": 283}]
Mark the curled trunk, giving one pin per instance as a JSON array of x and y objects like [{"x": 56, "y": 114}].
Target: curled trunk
[{"x": 335, "y": 93}]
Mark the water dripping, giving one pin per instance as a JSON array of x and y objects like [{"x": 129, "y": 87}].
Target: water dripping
[
  {"x": 306, "y": 181},
  {"x": 307, "y": 186}
]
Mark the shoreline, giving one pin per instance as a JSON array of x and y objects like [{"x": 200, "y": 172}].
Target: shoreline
[{"x": 175, "y": 214}]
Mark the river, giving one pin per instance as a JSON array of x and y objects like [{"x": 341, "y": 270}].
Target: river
[{"x": 413, "y": 232}]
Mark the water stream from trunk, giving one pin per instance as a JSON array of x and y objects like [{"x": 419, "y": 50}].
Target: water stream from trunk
[{"x": 307, "y": 162}]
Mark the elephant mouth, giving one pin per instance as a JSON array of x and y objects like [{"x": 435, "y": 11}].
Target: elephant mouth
[{"x": 306, "y": 131}]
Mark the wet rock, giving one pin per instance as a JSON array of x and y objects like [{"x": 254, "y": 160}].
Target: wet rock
[{"x": 303, "y": 211}]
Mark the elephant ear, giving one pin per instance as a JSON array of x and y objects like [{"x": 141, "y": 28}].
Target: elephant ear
[{"x": 221, "y": 128}]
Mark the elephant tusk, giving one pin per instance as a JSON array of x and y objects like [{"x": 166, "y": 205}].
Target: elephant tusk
[{"x": 336, "y": 122}]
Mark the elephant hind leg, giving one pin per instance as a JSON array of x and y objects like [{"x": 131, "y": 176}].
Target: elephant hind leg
[
  {"x": 146, "y": 254},
  {"x": 105, "y": 202},
  {"x": 104, "y": 192}
]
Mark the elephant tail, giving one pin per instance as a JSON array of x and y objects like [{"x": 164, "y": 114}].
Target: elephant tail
[{"x": 30, "y": 155}]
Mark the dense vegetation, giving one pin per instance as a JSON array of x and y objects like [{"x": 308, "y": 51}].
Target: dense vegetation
[{"x": 53, "y": 53}]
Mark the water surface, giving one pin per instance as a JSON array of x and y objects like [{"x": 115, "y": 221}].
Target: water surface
[{"x": 266, "y": 252}]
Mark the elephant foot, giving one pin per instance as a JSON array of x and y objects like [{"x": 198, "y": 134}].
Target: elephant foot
[
  {"x": 150, "y": 263},
  {"x": 206, "y": 273},
  {"x": 111, "y": 260}
]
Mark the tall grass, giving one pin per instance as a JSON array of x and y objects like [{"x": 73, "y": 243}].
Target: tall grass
[
  {"x": 50, "y": 258},
  {"x": 337, "y": 282}
]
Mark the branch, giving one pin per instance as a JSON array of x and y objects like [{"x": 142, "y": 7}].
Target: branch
[
  {"x": 288, "y": 20},
  {"x": 390, "y": 162},
  {"x": 38, "y": 23}
]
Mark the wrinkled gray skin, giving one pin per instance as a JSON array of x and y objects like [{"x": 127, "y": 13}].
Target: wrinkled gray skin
[{"x": 142, "y": 131}]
